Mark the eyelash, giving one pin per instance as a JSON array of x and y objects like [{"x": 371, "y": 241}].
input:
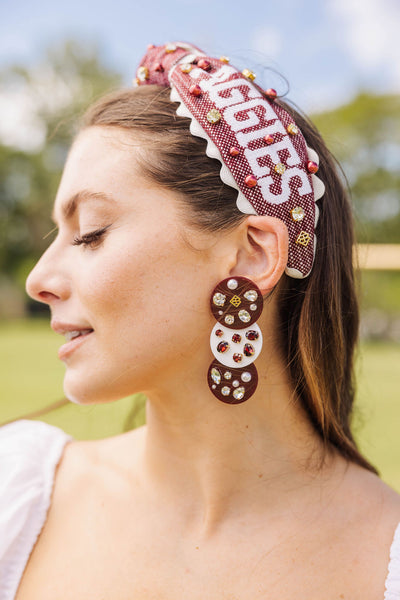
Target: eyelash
[{"x": 90, "y": 239}]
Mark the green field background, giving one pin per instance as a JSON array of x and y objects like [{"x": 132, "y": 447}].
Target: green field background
[{"x": 31, "y": 378}]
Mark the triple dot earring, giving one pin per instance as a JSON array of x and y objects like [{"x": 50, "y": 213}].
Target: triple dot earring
[{"x": 236, "y": 339}]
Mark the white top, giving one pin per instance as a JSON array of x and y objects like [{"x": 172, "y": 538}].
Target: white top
[{"x": 29, "y": 454}]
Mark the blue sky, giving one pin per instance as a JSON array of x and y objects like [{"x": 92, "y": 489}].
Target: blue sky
[{"x": 327, "y": 50}]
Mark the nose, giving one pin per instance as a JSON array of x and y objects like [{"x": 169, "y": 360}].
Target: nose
[{"x": 48, "y": 281}]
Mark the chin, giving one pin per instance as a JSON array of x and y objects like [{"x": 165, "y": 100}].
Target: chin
[{"x": 81, "y": 392}]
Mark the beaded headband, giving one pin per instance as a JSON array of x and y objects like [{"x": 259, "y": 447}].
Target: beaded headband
[{"x": 263, "y": 153}]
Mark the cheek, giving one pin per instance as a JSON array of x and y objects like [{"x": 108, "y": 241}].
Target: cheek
[{"x": 163, "y": 295}]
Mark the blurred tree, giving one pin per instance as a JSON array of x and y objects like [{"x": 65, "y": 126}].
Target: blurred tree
[
  {"x": 41, "y": 105},
  {"x": 364, "y": 135}
]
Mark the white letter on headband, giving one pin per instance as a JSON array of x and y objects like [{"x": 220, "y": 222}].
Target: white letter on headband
[{"x": 262, "y": 151}]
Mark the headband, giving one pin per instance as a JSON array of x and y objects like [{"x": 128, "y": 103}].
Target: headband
[{"x": 263, "y": 153}]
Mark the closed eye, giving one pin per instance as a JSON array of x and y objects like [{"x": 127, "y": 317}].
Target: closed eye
[{"x": 91, "y": 239}]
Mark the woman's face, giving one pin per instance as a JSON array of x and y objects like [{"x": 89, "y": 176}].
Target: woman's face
[{"x": 139, "y": 286}]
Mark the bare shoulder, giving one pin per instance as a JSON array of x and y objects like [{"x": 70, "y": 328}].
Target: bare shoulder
[
  {"x": 375, "y": 491},
  {"x": 375, "y": 504},
  {"x": 87, "y": 465}
]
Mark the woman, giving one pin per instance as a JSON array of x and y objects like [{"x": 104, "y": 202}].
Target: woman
[{"x": 260, "y": 493}]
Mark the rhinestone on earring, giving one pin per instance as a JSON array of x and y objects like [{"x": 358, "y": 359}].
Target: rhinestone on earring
[{"x": 232, "y": 377}]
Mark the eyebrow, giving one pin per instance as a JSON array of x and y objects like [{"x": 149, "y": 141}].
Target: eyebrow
[{"x": 69, "y": 208}]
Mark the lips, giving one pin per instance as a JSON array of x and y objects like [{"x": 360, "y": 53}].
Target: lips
[
  {"x": 75, "y": 333},
  {"x": 67, "y": 349}
]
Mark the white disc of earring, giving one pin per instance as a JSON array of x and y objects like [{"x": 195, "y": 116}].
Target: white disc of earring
[{"x": 236, "y": 348}]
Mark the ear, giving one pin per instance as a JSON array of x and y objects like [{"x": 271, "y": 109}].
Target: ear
[{"x": 263, "y": 252}]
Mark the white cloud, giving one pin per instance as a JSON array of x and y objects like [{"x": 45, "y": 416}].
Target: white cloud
[
  {"x": 369, "y": 30},
  {"x": 22, "y": 104},
  {"x": 268, "y": 41},
  {"x": 20, "y": 126}
]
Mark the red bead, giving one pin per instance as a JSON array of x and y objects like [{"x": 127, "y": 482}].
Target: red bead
[
  {"x": 268, "y": 139},
  {"x": 234, "y": 151},
  {"x": 150, "y": 46},
  {"x": 204, "y": 64},
  {"x": 237, "y": 358},
  {"x": 312, "y": 166},
  {"x": 252, "y": 335},
  {"x": 158, "y": 67},
  {"x": 250, "y": 181},
  {"x": 271, "y": 93},
  {"x": 195, "y": 90},
  {"x": 248, "y": 350},
  {"x": 223, "y": 347},
  {"x": 236, "y": 338},
  {"x": 219, "y": 333}
]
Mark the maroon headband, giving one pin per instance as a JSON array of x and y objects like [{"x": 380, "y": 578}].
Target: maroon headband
[{"x": 263, "y": 153}]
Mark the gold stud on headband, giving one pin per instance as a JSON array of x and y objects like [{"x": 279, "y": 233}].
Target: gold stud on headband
[{"x": 249, "y": 74}]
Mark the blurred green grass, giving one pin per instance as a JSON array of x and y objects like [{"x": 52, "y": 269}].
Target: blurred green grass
[
  {"x": 380, "y": 290},
  {"x": 31, "y": 378}
]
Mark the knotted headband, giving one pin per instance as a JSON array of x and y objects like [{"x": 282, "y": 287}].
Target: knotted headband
[{"x": 263, "y": 153}]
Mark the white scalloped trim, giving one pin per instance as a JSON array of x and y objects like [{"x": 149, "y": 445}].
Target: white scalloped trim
[
  {"x": 226, "y": 176},
  {"x": 316, "y": 215},
  {"x": 312, "y": 155},
  {"x": 188, "y": 58},
  {"x": 392, "y": 583},
  {"x": 295, "y": 273},
  {"x": 244, "y": 205},
  {"x": 187, "y": 46},
  {"x": 212, "y": 151},
  {"x": 318, "y": 186}
]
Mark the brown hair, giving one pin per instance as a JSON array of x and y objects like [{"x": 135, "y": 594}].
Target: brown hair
[{"x": 318, "y": 315}]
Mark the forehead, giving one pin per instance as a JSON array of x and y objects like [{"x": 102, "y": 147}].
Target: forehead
[
  {"x": 101, "y": 152},
  {"x": 102, "y": 171},
  {"x": 101, "y": 160}
]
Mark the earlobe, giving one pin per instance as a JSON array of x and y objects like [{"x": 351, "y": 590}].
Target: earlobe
[{"x": 264, "y": 254}]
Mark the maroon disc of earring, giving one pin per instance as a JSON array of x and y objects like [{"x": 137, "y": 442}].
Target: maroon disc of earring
[{"x": 235, "y": 340}]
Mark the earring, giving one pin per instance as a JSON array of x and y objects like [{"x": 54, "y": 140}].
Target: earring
[{"x": 236, "y": 339}]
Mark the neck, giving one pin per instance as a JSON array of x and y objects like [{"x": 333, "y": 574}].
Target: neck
[{"x": 217, "y": 461}]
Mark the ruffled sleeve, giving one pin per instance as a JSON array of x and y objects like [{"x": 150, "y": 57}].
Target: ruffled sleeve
[
  {"x": 392, "y": 585},
  {"x": 29, "y": 454}
]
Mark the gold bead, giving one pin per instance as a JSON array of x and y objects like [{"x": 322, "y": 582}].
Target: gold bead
[
  {"x": 303, "y": 238},
  {"x": 298, "y": 213},
  {"x": 136, "y": 82},
  {"x": 142, "y": 73},
  {"x": 186, "y": 68},
  {"x": 280, "y": 168},
  {"x": 224, "y": 59},
  {"x": 292, "y": 129},
  {"x": 249, "y": 74},
  {"x": 169, "y": 48},
  {"x": 213, "y": 116}
]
